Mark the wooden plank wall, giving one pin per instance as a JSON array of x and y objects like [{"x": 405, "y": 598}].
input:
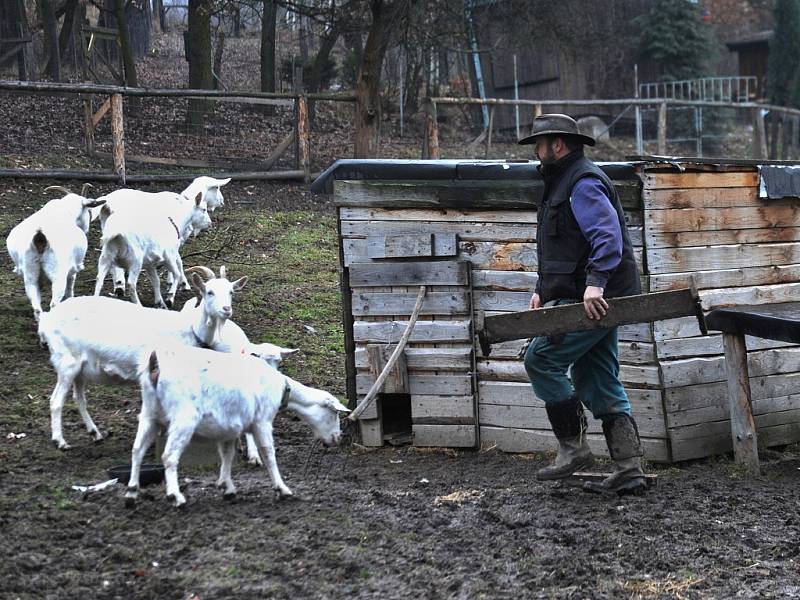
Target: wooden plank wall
[
  {"x": 740, "y": 250},
  {"x": 495, "y": 236}
]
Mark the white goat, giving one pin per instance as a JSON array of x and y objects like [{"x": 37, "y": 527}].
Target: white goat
[
  {"x": 51, "y": 241},
  {"x": 87, "y": 340},
  {"x": 219, "y": 396},
  {"x": 134, "y": 201},
  {"x": 235, "y": 341},
  {"x": 145, "y": 239}
]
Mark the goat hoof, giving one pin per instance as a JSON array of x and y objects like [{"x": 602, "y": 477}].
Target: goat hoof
[
  {"x": 98, "y": 437},
  {"x": 168, "y": 304},
  {"x": 229, "y": 496},
  {"x": 130, "y": 501},
  {"x": 62, "y": 445}
]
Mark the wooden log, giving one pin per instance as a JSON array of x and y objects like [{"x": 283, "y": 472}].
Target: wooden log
[
  {"x": 430, "y": 144},
  {"x": 303, "y": 139},
  {"x": 88, "y": 125},
  {"x": 101, "y": 112},
  {"x": 743, "y": 429},
  {"x": 662, "y": 129},
  {"x": 572, "y": 317},
  {"x": 118, "y": 137}
]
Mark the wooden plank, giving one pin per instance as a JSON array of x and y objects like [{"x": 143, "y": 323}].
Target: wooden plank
[
  {"x": 681, "y": 260},
  {"x": 572, "y": 317},
  {"x": 718, "y": 237},
  {"x": 506, "y": 370},
  {"x": 466, "y": 194},
  {"x": 694, "y": 371},
  {"x": 101, "y": 112},
  {"x": 743, "y": 428},
  {"x": 635, "y": 332},
  {"x": 435, "y": 407},
  {"x": 535, "y": 417},
  {"x": 501, "y": 301},
  {"x": 424, "y": 359},
  {"x": 448, "y": 215},
  {"x": 715, "y": 394},
  {"x": 508, "y": 393},
  {"x": 371, "y": 432},
  {"x": 763, "y": 294},
  {"x": 499, "y": 256},
  {"x": 779, "y": 214},
  {"x": 699, "y": 197},
  {"x": 709, "y": 414},
  {"x": 744, "y": 276},
  {"x": 389, "y": 332},
  {"x": 425, "y": 384},
  {"x": 357, "y": 250},
  {"x": 709, "y": 345},
  {"x": 469, "y": 232},
  {"x": 446, "y": 436},
  {"x": 396, "y": 246},
  {"x": 524, "y": 281},
  {"x": 397, "y": 380},
  {"x": 409, "y": 273},
  {"x": 629, "y": 352},
  {"x": 653, "y": 180},
  {"x": 508, "y": 439},
  {"x": 397, "y": 303},
  {"x": 675, "y": 328}
]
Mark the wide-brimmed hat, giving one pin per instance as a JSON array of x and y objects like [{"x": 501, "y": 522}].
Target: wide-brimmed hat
[{"x": 555, "y": 124}]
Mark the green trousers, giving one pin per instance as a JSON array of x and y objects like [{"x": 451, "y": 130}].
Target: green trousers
[{"x": 583, "y": 363}]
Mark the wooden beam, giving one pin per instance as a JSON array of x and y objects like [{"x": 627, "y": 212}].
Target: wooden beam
[
  {"x": 662, "y": 128},
  {"x": 101, "y": 112},
  {"x": 572, "y": 317},
  {"x": 743, "y": 429},
  {"x": 430, "y": 143},
  {"x": 303, "y": 139},
  {"x": 88, "y": 124}
]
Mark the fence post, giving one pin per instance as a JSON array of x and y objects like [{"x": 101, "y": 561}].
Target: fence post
[
  {"x": 88, "y": 124},
  {"x": 303, "y": 135},
  {"x": 489, "y": 130},
  {"x": 118, "y": 137},
  {"x": 759, "y": 134},
  {"x": 430, "y": 143},
  {"x": 662, "y": 129}
]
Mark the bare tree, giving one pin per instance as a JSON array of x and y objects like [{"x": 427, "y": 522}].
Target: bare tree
[
  {"x": 199, "y": 54},
  {"x": 47, "y": 12}
]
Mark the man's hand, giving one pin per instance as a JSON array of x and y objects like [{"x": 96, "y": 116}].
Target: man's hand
[
  {"x": 535, "y": 302},
  {"x": 594, "y": 303}
]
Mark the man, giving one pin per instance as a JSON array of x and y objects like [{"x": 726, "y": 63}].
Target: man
[{"x": 584, "y": 255}]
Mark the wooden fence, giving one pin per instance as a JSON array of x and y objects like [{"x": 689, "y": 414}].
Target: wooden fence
[
  {"x": 113, "y": 107},
  {"x": 785, "y": 122}
]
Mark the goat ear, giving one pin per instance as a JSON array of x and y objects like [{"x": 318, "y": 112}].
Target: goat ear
[
  {"x": 221, "y": 182},
  {"x": 239, "y": 284},
  {"x": 288, "y": 352},
  {"x": 333, "y": 403},
  {"x": 198, "y": 199},
  {"x": 198, "y": 284}
]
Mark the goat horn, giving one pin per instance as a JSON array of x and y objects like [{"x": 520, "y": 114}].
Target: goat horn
[
  {"x": 223, "y": 273},
  {"x": 202, "y": 270},
  {"x": 57, "y": 187},
  {"x": 85, "y": 188}
]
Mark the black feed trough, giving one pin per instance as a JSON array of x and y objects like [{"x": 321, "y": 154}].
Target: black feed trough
[{"x": 148, "y": 474}]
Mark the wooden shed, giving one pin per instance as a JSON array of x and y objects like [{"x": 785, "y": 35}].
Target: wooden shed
[{"x": 466, "y": 230}]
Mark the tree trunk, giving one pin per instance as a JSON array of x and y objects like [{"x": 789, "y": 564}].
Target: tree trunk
[
  {"x": 160, "y": 15},
  {"x": 352, "y": 40},
  {"x": 125, "y": 43},
  {"x": 70, "y": 9},
  {"x": 220, "y": 49},
  {"x": 139, "y": 25},
  {"x": 199, "y": 53},
  {"x": 48, "y": 14},
  {"x": 268, "y": 22},
  {"x": 385, "y": 15},
  {"x": 321, "y": 58},
  {"x": 302, "y": 34}
]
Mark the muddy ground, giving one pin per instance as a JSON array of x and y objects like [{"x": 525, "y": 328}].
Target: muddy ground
[{"x": 390, "y": 523}]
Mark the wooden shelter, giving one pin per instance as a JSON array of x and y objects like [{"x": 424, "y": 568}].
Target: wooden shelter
[{"x": 466, "y": 230}]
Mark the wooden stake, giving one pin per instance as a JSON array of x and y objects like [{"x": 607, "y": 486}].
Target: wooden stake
[
  {"x": 743, "y": 429},
  {"x": 430, "y": 145},
  {"x": 118, "y": 137},
  {"x": 378, "y": 385},
  {"x": 88, "y": 125},
  {"x": 662, "y": 129},
  {"x": 303, "y": 139},
  {"x": 489, "y": 133}
]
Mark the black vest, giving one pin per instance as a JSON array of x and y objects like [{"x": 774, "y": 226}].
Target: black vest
[{"x": 562, "y": 250}]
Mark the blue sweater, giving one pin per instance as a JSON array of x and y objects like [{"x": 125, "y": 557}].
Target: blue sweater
[{"x": 600, "y": 226}]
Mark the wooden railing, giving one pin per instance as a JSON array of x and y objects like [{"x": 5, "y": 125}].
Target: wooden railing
[{"x": 113, "y": 106}]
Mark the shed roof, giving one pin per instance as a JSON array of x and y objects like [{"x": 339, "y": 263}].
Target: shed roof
[{"x": 455, "y": 170}]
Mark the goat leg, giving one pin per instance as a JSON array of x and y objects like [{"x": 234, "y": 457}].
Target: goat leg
[{"x": 266, "y": 447}]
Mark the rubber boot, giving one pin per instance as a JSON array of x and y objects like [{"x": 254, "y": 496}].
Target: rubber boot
[
  {"x": 569, "y": 426},
  {"x": 622, "y": 437}
]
